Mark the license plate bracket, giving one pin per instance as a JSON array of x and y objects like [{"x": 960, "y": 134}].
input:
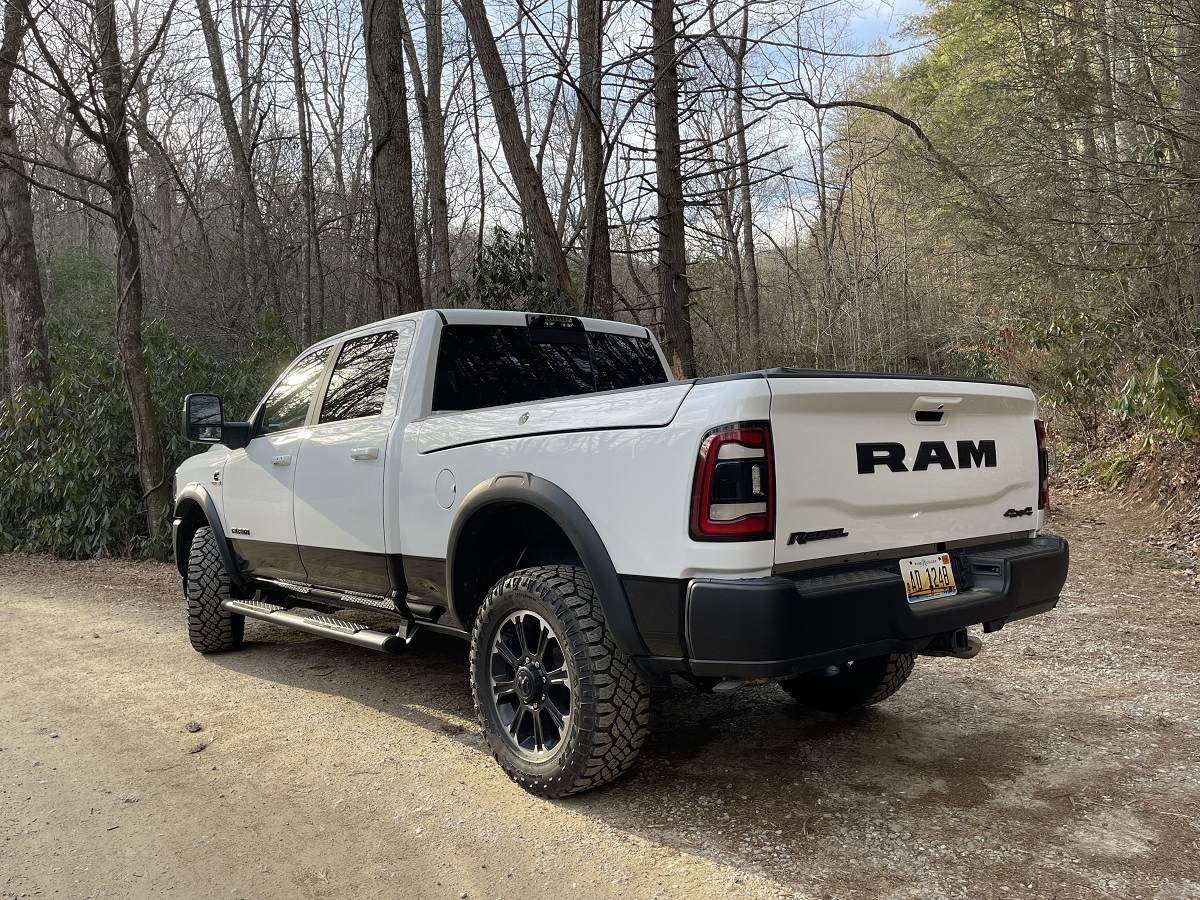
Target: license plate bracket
[{"x": 928, "y": 577}]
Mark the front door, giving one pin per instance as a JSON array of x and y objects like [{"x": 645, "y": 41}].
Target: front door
[{"x": 258, "y": 482}]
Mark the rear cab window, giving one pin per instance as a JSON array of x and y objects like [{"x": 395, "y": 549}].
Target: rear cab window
[
  {"x": 360, "y": 378},
  {"x": 494, "y": 365}
]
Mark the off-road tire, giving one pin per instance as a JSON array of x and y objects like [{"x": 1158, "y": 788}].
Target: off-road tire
[
  {"x": 852, "y": 685},
  {"x": 210, "y": 628},
  {"x": 609, "y": 704}
]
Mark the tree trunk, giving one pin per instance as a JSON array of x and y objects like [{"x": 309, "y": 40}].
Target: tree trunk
[
  {"x": 1187, "y": 55},
  {"x": 312, "y": 247},
  {"x": 672, "y": 252},
  {"x": 155, "y": 490},
  {"x": 1106, "y": 100},
  {"x": 428, "y": 91},
  {"x": 20, "y": 283},
  {"x": 598, "y": 287},
  {"x": 731, "y": 237},
  {"x": 480, "y": 234},
  {"x": 568, "y": 185},
  {"x": 396, "y": 262},
  {"x": 749, "y": 271},
  {"x": 546, "y": 246}
]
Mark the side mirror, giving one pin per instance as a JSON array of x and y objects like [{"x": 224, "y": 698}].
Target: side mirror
[{"x": 203, "y": 418}]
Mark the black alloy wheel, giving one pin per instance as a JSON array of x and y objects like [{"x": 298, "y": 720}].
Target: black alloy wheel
[{"x": 531, "y": 688}]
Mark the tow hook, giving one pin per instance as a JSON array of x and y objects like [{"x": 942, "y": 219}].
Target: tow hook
[{"x": 958, "y": 644}]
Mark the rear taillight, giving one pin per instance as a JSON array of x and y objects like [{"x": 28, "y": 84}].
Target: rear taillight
[
  {"x": 733, "y": 495},
  {"x": 1043, "y": 466}
]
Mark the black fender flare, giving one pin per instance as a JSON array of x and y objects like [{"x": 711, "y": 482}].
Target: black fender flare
[
  {"x": 195, "y": 493},
  {"x": 549, "y": 498}
]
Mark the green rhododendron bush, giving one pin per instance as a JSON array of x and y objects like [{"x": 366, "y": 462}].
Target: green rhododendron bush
[{"x": 70, "y": 485}]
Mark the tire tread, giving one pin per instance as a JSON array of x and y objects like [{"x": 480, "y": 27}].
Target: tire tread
[{"x": 210, "y": 628}]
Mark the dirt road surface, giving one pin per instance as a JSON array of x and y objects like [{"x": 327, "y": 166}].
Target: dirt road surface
[{"x": 1062, "y": 762}]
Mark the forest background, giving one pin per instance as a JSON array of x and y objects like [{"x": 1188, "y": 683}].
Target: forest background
[{"x": 191, "y": 192}]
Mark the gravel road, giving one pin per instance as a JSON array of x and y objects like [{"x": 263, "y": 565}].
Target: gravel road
[{"x": 1062, "y": 762}]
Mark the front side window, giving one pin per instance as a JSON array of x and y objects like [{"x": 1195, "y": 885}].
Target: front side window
[
  {"x": 287, "y": 404},
  {"x": 360, "y": 378}
]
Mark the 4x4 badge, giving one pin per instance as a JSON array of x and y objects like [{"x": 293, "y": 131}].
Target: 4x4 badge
[{"x": 1017, "y": 513}]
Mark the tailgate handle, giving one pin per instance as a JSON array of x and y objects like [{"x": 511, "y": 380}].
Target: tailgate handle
[{"x": 932, "y": 410}]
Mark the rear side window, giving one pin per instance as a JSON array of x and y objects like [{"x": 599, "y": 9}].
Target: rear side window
[
  {"x": 287, "y": 404},
  {"x": 360, "y": 378},
  {"x": 485, "y": 365},
  {"x": 622, "y": 361}
]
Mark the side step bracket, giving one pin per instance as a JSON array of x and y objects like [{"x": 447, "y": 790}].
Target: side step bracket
[{"x": 325, "y": 626}]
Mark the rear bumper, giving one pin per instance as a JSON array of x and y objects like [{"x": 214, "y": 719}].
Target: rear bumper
[{"x": 781, "y": 626}]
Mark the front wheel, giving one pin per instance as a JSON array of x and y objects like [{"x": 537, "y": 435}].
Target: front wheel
[
  {"x": 210, "y": 628},
  {"x": 852, "y": 685},
  {"x": 562, "y": 708}
]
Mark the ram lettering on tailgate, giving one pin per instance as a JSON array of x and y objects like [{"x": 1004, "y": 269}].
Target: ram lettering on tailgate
[{"x": 980, "y": 454}]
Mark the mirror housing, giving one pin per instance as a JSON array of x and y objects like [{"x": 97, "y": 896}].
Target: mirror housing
[
  {"x": 203, "y": 418},
  {"x": 204, "y": 422}
]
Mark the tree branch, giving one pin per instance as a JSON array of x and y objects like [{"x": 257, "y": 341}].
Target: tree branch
[{"x": 28, "y": 176}]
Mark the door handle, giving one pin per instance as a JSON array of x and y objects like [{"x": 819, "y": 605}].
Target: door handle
[
  {"x": 364, "y": 453},
  {"x": 285, "y": 460}
]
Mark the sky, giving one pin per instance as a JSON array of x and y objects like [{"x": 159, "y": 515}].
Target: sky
[{"x": 882, "y": 19}]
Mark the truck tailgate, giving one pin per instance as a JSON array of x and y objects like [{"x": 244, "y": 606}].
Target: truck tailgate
[{"x": 867, "y": 464}]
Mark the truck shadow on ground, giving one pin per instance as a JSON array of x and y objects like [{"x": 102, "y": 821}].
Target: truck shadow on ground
[{"x": 750, "y": 774}]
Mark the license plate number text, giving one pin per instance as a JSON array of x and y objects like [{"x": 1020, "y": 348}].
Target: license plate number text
[{"x": 928, "y": 577}]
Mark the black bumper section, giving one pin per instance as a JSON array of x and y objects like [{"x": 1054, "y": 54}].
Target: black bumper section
[{"x": 782, "y": 626}]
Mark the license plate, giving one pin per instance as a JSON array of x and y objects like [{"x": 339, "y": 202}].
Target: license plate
[{"x": 928, "y": 577}]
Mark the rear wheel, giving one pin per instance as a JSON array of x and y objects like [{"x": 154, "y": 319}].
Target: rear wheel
[
  {"x": 562, "y": 708},
  {"x": 210, "y": 628},
  {"x": 852, "y": 685}
]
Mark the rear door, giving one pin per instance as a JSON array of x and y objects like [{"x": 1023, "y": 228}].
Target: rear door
[
  {"x": 867, "y": 464},
  {"x": 339, "y": 487}
]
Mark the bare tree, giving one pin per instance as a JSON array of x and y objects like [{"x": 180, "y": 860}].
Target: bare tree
[
  {"x": 396, "y": 261},
  {"x": 672, "y": 246},
  {"x": 428, "y": 91},
  {"x": 313, "y": 273},
  {"x": 20, "y": 283},
  {"x": 335, "y": 59},
  {"x": 255, "y": 243},
  {"x": 749, "y": 261},
  {"x": 540, "y": 221},
  {"x": 104, "y": 117},
  {"x": 598, "y": 299},
  {"x": 1187, "y": 52}
]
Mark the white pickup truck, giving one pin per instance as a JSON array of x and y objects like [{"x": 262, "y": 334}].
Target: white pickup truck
[{"x": 542, "y": 487}]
